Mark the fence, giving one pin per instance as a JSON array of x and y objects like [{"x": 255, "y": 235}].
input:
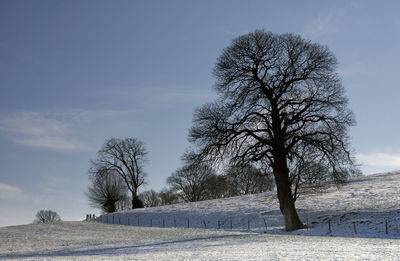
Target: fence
[
  {"x": 327, "y": 226},
  {"x": 388, "y": 226},
  {"x": 180, "y": 222}
]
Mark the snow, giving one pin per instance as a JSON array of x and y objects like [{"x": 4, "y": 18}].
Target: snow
[
  {"x": 95, "y": 241},
  {"x": 368, "y": 202}
]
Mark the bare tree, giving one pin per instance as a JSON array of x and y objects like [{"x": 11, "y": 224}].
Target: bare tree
[
  {"x": 280, "y": 101},
  {"x": 243, "y": 180},
  {"x": 107, "y": 190},
  {"x": 125, "y": 157},
  {"x": 150, "y": 198},
  {"x": 217, "y": 187},
  {"x": 46, "y": 216},
  {"x": 168, "y": 197},
  {"x": 123, "y": 204},
  {"x": 191, "y": 182}
]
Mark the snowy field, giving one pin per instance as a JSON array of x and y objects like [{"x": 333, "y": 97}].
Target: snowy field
[
  {"x": 358, "y": 221},
  {"x": 94, "y": 241},
  {"x": 367, "y": 206}
]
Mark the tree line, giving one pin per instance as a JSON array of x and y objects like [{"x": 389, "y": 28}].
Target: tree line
[
  {"x": 118, "y": 173},
  {"x": 281, "y": 117}
]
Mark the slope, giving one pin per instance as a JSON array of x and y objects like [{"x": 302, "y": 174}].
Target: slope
[{"x": 366, "y": 206}]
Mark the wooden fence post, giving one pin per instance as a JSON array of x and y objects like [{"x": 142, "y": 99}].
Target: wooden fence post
[
  {"x": 386, "y": 227},
  {"x": 205, "y": 225},
  {"x": 329, "y": 225},
  {"x": 188, "y": 223},
  {"x": 248, "y": 224},
  {"x": 138, "y": 221},
  {"x": 265, "y": 223},
  {"x": 231, "y": 224},
  {"x": 355, "y": 228}
]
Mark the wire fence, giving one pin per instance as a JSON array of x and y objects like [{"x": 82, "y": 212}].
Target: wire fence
[{"x": 324, "y": 226}]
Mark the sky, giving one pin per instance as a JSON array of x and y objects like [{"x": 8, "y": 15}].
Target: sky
[{"x": 75, "y": 73}]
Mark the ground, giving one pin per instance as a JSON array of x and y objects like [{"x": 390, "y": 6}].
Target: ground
[
  {"x": 356, "y": 221},
  {"x": 94, "y": 241}
]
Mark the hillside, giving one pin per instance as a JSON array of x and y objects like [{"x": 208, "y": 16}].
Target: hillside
[
  {"x": 94, "y": 241},
  {"x": 368, "y": 201},
  {"x": 360, "y": 208}
]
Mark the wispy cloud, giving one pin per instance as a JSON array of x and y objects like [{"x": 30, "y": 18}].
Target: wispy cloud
[
  {"x": 154, "y": 97},
  {"x": 8, "y": 192},
  {"x": 36, "y": 129},
  {"x": 328, "y": 21},
  {"x": 380, "y": 159}
]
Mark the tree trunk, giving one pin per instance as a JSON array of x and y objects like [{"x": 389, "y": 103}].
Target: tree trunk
[
  {"x": 284, "y": 193},
  {"x": 133, "y": 199},
  {"x": 287, "y": 207},
  {"x": 136, "y": 201}
]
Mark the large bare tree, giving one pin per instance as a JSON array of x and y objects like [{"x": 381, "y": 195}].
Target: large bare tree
[
  {"x": 280, "y": 102},
  {"x": 126, "y": 158}
]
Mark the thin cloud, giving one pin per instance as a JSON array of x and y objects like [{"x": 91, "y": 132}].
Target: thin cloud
[
  {"x": 38, "y": 130},
  {"x": 327, "y": 22},
  {"x": 8, "y": 192},
  {"x": 379, "y": 159},
  {"x": 154, "y": 97}
]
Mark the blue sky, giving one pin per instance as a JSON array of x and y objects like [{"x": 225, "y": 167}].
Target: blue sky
[{"x": 75, "y": 73}]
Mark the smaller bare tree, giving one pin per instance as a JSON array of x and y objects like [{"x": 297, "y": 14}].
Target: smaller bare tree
[
  {"x": 126, "y": 158},
  {"x": 248, "y": 180},
  {"x": 168, "y": 197},
  {"x": 46, "y": 216},
  {"x": 217, "y": 187},
  {"x": 191, "y": 182},
  {"x": 107, "y": 190},
  {"x": 150, "y": 198}
]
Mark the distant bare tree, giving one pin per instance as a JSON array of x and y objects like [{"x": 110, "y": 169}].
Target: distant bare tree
[
  {"x": 46, "y": 216},
  {"x": 248, "y": 180},
  {"x": 123, "y": 204},
  {"x": 168, "y": 197},
  {"x": 217, "y": 187},
  {"x": 125, "y": 157},
  {"x": 107, "y": 190},
  {"x": 191, "y": 182},
  {"x": 150, "y": 198},
  {"x": 280, "y": 101}
]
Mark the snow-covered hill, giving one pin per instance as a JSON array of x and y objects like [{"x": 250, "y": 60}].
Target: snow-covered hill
[
  {"x": 94, "y": 241},
  {"x": 367, "y": 206},
  {"x": 368, "y": 202}
]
